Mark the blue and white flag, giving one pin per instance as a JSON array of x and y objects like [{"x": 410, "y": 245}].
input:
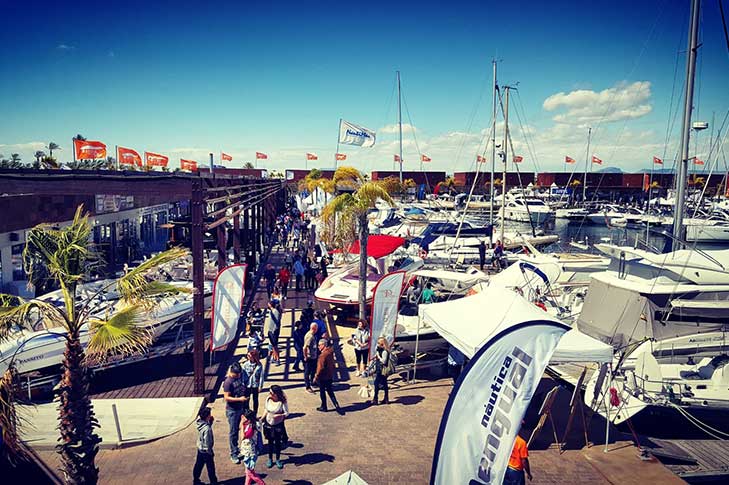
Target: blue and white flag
[
  {"x": 351, "y": 134},
  {"x": 487, "y": 405}
]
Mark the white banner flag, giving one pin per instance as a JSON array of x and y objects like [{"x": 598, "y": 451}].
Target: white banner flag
[
  {"x": 385, "y": 303},
  {"x": 228, "y": 293},
  {"x": 351, "y": 134},
  {"x": 487, "y": 405}
]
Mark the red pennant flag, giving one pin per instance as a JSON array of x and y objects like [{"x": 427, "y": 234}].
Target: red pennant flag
[
  {"x": 646, "y": 182},
  {"x": 190, "y": 165},
  {"x": 127, "y": 156},
  {"x": 697, "y": 161},
  {"x": 155, "y": 159},
  {"x": 596, "y": 160},
  {"x": 225, "y": 157},
  {"x": 397, "y": 158},
  {"x": 657, "y": 161},
  {"x": 518, "y": 159},
  {"x": 569, "y": 160},
  {"x": 341, "y": 156},
  {"x": 89, "y": 150},
  {"x": 425, "y": 158},
  {"x": 480, "y": 159},
  {"x": 261, "y": 156},
  {"x": 312, "y": 156}
]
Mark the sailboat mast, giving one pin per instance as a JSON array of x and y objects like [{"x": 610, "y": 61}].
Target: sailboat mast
[
  {"x": 399, "y": 119},
  {"x": 587, "y": 165},
  {"x": 493, "y": 153},
  {"x": 505, "y": 152},
  {"x": 682, "y": 174}
]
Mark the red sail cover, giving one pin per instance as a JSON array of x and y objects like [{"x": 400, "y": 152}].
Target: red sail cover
[{"x": 378, "y": 245}]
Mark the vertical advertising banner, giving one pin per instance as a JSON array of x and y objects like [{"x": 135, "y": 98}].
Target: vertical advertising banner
[
  {"x": 385, "y": 304},
  {"x": 228, "y": 293},
  {"x": 485, "y": 409}
]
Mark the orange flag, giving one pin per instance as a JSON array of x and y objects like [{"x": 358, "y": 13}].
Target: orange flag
[
  {"x": 397, "y": 158},
  {"x": 341, "y": 156},
  {"x": 312, "y": 156},
  {"x": 225, "y": 157},
  {"x": 89, "y": 150},
  {"x": 261, "y": 156},
  {"x": 425, "y": 158},
  {"x": 480, "y": 159},
  {"x": 596, "y": 160},
  {"x": 697, "y": 161},
  {"x": 127, "y": 156},
  {"x": 657, "y": 161},
  {"x": 569, "y": 160},
  {"x": 190, "y": 165},
  {"x": 155, "y": 159},
  {"x": 518, "y": 159}
]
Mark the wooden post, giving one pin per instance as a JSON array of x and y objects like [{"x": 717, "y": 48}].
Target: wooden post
[
  {"x": 198, "y": 280},
  {"x": 236, "y": 239}
]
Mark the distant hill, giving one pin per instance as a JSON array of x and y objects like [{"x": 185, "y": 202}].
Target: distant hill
[{"x": 609, "y": 170}]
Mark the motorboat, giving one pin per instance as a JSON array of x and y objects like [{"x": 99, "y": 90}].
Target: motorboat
[
  {"x": 41, "y": 347},
  {"x": 384, "y": 255},
  {"x": 528, "y": 209}
]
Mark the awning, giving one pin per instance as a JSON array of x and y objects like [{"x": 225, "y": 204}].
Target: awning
[
  {"x": 469, "y": 322},
  {"x": 378, "y": 245},
  {"x": 347, "y": 478}
]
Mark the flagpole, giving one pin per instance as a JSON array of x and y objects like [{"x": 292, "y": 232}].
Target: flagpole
[
  {"x": 211, "y": 164},
  {"x": 116, "y": 149},
  {"x": 339, "y": 132},
  {"x": 587, "y": 161},
  {"x": 399, "y": 120},
  {"x": 73, "y": 144}
]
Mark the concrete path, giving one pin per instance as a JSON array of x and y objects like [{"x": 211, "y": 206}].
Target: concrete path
[{"x": 140, "y": 420}]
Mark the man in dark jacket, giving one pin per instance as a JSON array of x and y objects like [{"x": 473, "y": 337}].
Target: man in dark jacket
[
  {"x": 325, "y": 376},
  {"x": 205, "y": 441}
]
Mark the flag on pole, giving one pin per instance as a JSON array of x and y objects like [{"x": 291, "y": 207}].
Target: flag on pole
[
  {"x": 480, "y": 159},
  {"x": 89, "y": 150},
  {"x": 385, "y": 303},
  {"x": 155, "y": 159},
  {"x": 569, "y": 160},
  {"x": 425, "y": 158},
  {"x": 486, "y": 407},
  {"x": 261, "y": 156},
  {"x": 312, "y": 156},
  {"x": 657, "y": 161},
  {"x": 518, "y": 159},
  {"x": 351, "y": 134},
  {"x": 341, "y": 156},
  {"x": 397, "y": 158},
  {"x": 225, "y": 157},
  {"x": 228, "y": 292},
  {"x": 596, "y": 160},
  {"x": 190, "y": 165},
  {"x": 697, "y": 161},
  {"x": 127, "y": 156}
]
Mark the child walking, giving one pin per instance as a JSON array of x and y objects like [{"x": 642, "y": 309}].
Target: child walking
[
  {"x": 249, "y": 447},
  {"x": 205, "y": 442}
]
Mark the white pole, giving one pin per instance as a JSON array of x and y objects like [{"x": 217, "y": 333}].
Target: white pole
[
  {"x": 417, "y": 342},
  {"x": 607, "y": 410}
]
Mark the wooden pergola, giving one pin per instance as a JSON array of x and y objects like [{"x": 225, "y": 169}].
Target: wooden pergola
[{"x": 251, "y": 204}]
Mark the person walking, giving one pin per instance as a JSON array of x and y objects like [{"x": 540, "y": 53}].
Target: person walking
[
  {"x": 273, "y": 329},
  {"x": 311, "y": 355},
  {"x": 382, "y": 360},
  {"x": 325, "y": 376},
  {"x": 253, "y": 378},
  {"x": 299, "y": 271},
  {"x": 482, "y": 253},
  {"x": 270, "y": 274},
  {"x": 361, "y": 342},
  {"x": 284, "y": 276},
  {"x": 234, "y": 394},
  {"x": 308, "y": 274},
  {"x": 297, "y": 336},
  {"x": 276, "y": 410},
  {"x": 518, "y": 464},
  {"x": 249, "y": 447},
  {"x": 498, "y": 255},
  {"x": 205, "y": 442}
]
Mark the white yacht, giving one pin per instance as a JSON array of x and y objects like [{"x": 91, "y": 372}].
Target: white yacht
[{"x": 526, "y": 209}]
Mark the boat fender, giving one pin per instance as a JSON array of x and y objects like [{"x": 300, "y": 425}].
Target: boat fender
[{"x": 614, "y": 398}]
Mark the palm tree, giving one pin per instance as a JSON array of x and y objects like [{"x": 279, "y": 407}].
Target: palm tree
[
  {"x": 350, "y": 209},
  {"x": 52, "y": 146},
  {"x": 39, "y": 154},
  {"x": 65, "y": 256},
  {"x": 248, "y": 165},
  {"x": 15, "y": 159}
]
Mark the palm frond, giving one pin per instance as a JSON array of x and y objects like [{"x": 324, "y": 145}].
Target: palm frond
[
  {"x": 369, "y": 192},
  {"x": 10, "y": 418},
  {"x": 134, "y": 286},
  {"x": 336, "y": 206},
  {"x": 347, "y": 174},
  {"x": 15, "y": 311},
  {"x": 121, "y": 334}
]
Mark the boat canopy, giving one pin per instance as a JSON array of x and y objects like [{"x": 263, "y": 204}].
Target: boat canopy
[
  {"x": 378, "y": 245},
  {"x": 469, "y": 322}
]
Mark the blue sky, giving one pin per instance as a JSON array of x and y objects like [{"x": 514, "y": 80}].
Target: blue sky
[{"x": 186, "y": 78}]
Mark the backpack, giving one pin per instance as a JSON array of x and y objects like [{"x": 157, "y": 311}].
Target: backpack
[{"x": 389, "y": 368}]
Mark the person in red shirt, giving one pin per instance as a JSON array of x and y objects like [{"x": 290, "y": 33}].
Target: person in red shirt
[
  {"x": 518, "y": 464},
  {"x": 284, "y": 276}
]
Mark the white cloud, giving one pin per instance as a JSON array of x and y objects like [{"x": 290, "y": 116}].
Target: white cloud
[
  {"x": 584, "y": 106},
  {"x": 395, "y": 130},
  {"x": 65, "y": 47}
]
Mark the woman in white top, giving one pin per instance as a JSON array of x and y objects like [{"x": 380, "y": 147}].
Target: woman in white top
[
  {"x": 361, "y": 342},
  {"x": 276, "y": 409}
]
